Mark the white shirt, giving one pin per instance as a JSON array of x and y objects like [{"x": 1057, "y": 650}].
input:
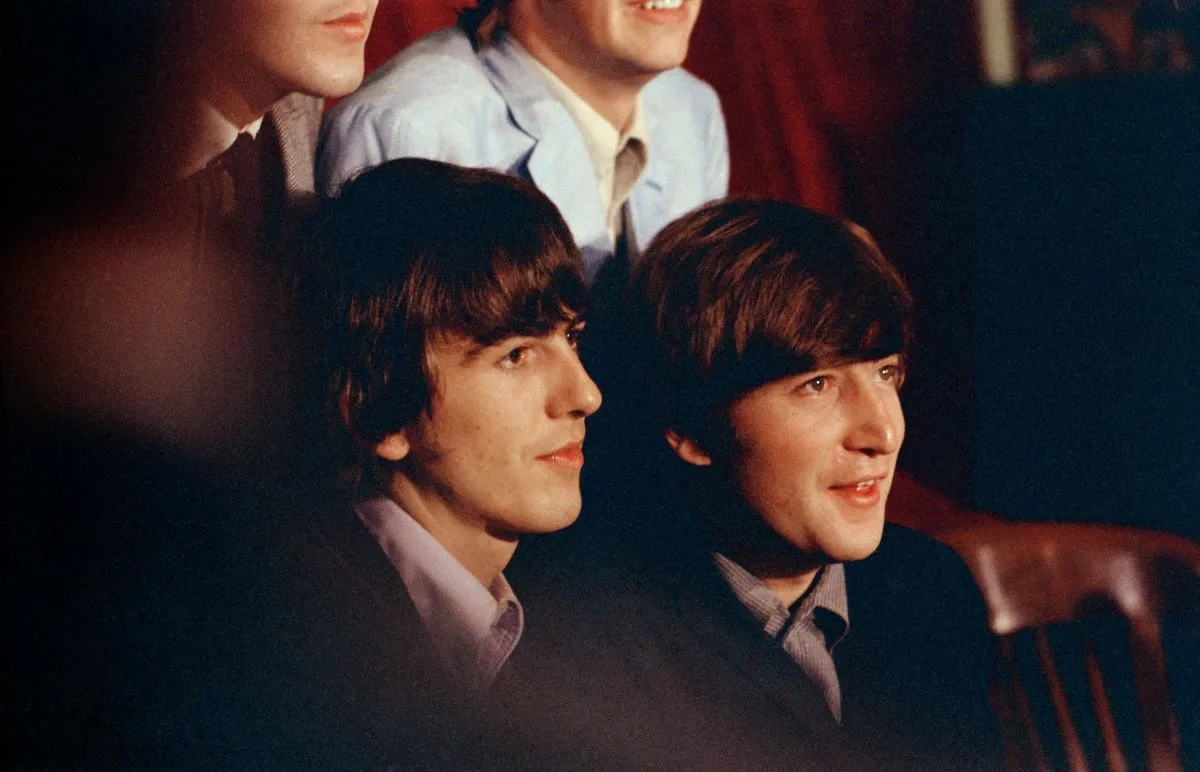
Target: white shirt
[
  {"x": 214, "y": 135},
  {"x": 474, "y": 628}
]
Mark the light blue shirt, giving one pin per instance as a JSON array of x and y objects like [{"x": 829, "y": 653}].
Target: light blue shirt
[{"x": 442, "y": 100}]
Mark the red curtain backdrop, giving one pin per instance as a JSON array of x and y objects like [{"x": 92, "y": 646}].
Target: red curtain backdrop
[{"x": 827, "y": 104}]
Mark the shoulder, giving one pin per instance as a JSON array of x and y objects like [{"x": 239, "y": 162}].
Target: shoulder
[
  {"x": 912, "y": 575},
  {"x": 902, "y": 547},
  {"x": 297, "y": 118},
  {"x": 298, "y": 107},
  {"x": 678, "y": 86},
  {"x": 435, "y": 100},
  {"x": 438, "y": 72},
  {"x": 678, "y": 91},
  {"x": 687, "y": 131}
]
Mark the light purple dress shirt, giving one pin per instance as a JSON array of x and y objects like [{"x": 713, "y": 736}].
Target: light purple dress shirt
[{"x": 474, "y": 628}]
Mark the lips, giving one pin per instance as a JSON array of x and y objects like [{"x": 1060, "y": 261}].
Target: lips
[
  {"x": 862, "y": 491},
  {"x": 352, "y": 25},
  {"x": 569, "y": 455}
]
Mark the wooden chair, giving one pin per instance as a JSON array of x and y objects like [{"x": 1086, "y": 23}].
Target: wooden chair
[{"x": 1036, "y": 577}]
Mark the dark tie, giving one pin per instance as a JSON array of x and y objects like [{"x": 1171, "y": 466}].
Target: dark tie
[
  {"x": 234, "y": 195},
  {"x": 244, "y": 171}
]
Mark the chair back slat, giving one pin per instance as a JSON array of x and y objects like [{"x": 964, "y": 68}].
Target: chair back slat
[
  {"x": 1048, "y": 575},
  {"x": 1154, "y": 703},
  {"x": 999, "y": 696},
  {"x": 1076, "y": 761},
  {"x": 1104, "y": 715},
  {"x": 1019, "y": 701}
]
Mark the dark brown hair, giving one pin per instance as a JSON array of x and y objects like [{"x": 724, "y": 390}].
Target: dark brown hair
[
  {"x": 740, "y": 293},
  {"x": 422, "y": 251}
]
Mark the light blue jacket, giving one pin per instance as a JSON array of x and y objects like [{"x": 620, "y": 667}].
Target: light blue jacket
[{"x": 442, "y": 100}]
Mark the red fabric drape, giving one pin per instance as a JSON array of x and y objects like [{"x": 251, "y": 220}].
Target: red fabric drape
[{"x": 399, "y": 22}]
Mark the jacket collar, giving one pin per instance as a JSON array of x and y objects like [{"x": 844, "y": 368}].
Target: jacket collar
[
  {"x": 559, "y": 158},
  {"x": 713, "y": 614}
]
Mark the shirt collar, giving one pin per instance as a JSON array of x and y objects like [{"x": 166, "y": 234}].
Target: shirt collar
[
  {"x": 454, "y": 606},
  {"x": 214, "y": 135},
  {"x": 603, "y": 140},
  {"x": 825, "y": 600}
]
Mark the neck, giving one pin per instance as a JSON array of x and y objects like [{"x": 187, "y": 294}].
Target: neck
[
  {"x": 788, "y": 576},
  {"x": 614, "y": 97},
  {"x": 468, "y": 539},
  {"x": 240, "y": 98},
  {"x": 744, "y": 537}
]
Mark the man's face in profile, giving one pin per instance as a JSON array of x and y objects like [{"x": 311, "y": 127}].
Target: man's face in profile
[
  {"x": 268, "y": 48},
  {"x": 814, "y": 455},
  {"x": 616, "y": 39},
  {"x": 501, "y": 445}
]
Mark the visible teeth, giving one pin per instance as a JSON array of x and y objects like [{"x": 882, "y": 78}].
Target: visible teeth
[
  {"x": 862, "y": 486},
  {"x": 662, "y": 5}
]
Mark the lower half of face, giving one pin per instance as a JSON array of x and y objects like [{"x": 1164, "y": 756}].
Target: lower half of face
[
  {"x": 312, "y": 46},
  {"x": 505, "y": 484},
  {"x": 831, "y": 521},
  {"x": 622, "y": 37}
]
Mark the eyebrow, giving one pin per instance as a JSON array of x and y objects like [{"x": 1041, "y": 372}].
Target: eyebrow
[{"x": 477, "y": 347}]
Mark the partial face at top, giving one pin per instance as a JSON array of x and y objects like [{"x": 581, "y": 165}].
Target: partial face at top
[
  {"x": 814, "y": 455},
  {"x": 269, "y": 48},
  {"x": 501, "y": 448},
  {"x": 614, "y": 39}
]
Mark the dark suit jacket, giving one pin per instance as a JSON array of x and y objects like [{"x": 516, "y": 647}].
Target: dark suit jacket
[
  {"x": 664, "y": 668},
  {"x": 339, "y": 651},
  {"x": 915, "y": 664},
  {"x": 178, "y": 602},
  {"x": 161, "y": 616}
]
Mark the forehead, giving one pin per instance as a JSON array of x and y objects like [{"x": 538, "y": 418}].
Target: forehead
[{"x": 452, "y": 349}]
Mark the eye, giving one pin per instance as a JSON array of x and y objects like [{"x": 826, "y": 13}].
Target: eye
[
  {"x": 892, "y": 373},
  {"x": 574, "y": 333},
  {"x": 515, "y": 357},
  {"x": 815, "y": 385}
]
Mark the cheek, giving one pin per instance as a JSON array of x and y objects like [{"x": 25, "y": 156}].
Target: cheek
[{"x": 775, "y": 468}]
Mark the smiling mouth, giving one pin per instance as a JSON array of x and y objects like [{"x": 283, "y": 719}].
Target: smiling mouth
[
  {"x": 661, "y": 5},
  {"x": 860, "y": 487}
]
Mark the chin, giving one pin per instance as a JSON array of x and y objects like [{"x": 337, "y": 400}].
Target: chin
[
  {"x": 554, "y": 522},
  {"x": 335, "y": 80},
  {"x": 553, "y": 516},
  {"x": 858, "y": 545},
  {"x": 663, "y": 62}
]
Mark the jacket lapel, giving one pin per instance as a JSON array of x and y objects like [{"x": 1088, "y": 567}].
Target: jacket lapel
[
  {"x": 558, "y": 164},
  {"x": 720, "y": 624},
  {"x": 297, "y": 120},
  {"x": 648, "y": 202}
]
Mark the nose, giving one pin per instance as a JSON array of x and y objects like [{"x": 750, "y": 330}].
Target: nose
[
  {"x": 576, "y": 393},
  {"x": 876, "y": 426}
]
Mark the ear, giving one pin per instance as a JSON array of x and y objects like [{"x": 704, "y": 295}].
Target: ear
[
  {"x": 393, "y": 447},
  {"x": 688, "y": 449}
]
